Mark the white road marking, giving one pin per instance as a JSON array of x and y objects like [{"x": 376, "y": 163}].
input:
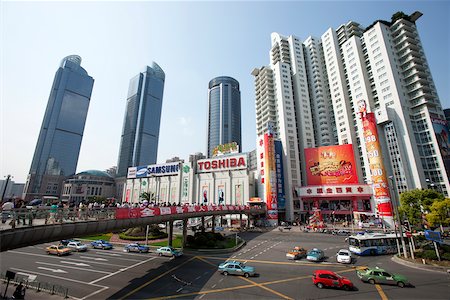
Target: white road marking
[
  {"x": 96, "y": 292},
  {"x": 260, "y": 253},
  {"x": 82, "y": 269},
  {"x": 122, "y": 270},
  {"x": 93, "y": 258},
  {"x": 31, "y": 277},
  {"x": 213, "y": 286},
  {"x": 179, "y": 289},
  {"x": 121, "y": 258},
  {"x": 74, "y": 263},
  {"x": 110, "y": 254},
  {"x": 234, "y": 256},
  {"x": 52, "y": 270},
  {"x": 203, "y": 295},
  {"x": 58, "y": 277},
  {"x": 220, "y": 280},
  {"x": 198, "y": 277}
]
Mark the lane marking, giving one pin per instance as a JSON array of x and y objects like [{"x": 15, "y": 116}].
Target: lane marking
[
  {"x": 179, "y": 289},
  {"x": 156, "y": 278},
  {"x": 89, "y": 270},
  {"x": 267, "y": 289},
  {"x": 52, "y": 270},
  {"x": 58, "y": 277},
  {"x": 122, "y": 270},
  {"x": 213, "y": 286},
  {"x": 297, "y": 263},
  {"x": 110, "y": 254},
  {"x": 381, "y": 292},
  {"x": 96, "y": 292}
]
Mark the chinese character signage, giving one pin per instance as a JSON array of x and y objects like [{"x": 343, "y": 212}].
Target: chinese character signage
[
  {"x": 280, "y": 177},
  {"x": 270, "y": 177}
]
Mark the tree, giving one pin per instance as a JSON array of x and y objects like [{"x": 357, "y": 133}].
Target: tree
[
  {"x": 439, "y": 213},
  {"x": 399, "y": 15},
  {"x": 148, "y": 196},
  {"x": 415, "y": 202}
]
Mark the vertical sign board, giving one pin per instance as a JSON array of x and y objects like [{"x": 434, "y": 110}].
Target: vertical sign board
[
  {"x": 270, "y": 178},
  {"x": 380, "y": 184},
  {"x": 441, "y": 130},
  {"x": 280, "y": 177}
]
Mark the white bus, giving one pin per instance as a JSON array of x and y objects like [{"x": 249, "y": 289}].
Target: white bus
[{"x": 373, "y": 244}]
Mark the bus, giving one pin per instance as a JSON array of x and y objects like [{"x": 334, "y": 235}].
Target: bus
[{"x": 373, "y": 243}]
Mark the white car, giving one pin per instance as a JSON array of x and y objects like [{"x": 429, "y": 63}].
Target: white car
[
  {"x": 344, "y": 256},
  {"x": 76, "y": 246}
]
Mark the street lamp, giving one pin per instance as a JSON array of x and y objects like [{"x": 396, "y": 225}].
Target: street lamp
[
  {"x": 394, "y": 204},
  {"x": 8, "y": 177}
]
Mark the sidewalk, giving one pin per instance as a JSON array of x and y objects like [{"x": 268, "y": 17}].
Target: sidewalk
[
  {"x": 414, "y": 265},
  {"x": 29, "y": 294}
]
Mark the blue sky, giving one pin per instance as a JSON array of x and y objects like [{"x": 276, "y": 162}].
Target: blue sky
[{"x": 192, "y": 41}]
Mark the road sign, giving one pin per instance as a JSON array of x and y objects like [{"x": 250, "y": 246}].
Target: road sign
[
  {"x": 434, "y": 236},
  {"x": 408, "y": 234}
]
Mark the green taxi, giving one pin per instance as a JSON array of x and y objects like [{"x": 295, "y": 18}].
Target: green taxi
[{"x": 377, "y": 275}]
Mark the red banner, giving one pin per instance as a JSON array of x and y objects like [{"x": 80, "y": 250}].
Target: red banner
[
  {"x": 142, "y": 212},
  {"x": 330, "y": 165}
]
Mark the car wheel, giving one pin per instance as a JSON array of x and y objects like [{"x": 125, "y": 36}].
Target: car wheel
[
  {"x": 246, "y": 275},
  {"x": 346, "y": 287},
  {"x": 160, "y": 254},
  {"x": 401, "y": 284},
  {"x": 225, "y": 273},
  {"x": 371, "y": 281},
  {"x": 320, "y": 285},
  {"x": 59, "y": 254},
  {"x": 128, "y": 250}
]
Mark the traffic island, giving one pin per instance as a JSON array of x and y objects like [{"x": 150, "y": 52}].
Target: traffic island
[{"x": 423, "y": 264}]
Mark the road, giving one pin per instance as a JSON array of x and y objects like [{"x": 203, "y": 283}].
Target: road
[{"x": 114, "y": 274}]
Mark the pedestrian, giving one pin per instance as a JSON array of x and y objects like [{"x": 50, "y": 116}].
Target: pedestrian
[
  {"x": 19, "y": 293},
  {"x": 7, "y": 208}
]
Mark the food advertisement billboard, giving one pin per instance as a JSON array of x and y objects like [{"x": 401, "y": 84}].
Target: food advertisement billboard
[{"x": 330, "y": 165}]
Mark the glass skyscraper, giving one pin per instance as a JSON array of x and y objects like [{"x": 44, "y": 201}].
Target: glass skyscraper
[
  {"x": 224, "y": 112},
  {"x": 59, "y": 142},
  {"x": 140, "y": 134}
]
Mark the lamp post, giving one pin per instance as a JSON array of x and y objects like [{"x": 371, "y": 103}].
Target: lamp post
[
  {"x": 394, "y": 204},
  {"x": 8, "y": 177}
]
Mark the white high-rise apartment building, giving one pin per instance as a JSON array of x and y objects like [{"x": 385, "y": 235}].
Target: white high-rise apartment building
[{"x": 311, "y": 91}]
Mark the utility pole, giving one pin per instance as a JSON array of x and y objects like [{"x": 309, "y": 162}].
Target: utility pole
[{"x": 394, "y": 202}]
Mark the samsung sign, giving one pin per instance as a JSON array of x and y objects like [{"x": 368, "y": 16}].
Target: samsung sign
[{"x": 154, "y": 170}]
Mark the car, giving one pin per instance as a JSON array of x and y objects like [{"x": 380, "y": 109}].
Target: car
[
  {"x": 136, "y": 247},
  {"x": 296, "y": 253},
  {"x": 101, "y": 244},
  {"x": 315, "y": 255},
  {"x": 65, "y": 242},
  {"x": 325, "y": 278},
  {"x": 344, "y": 256},
  {"x": 168, "y": 251},
  {"x": 377, "y": 275},
  {"x": 77, "y": 246},
  {"x": 58, "y": 250},
  {"x": 236, "y": 268}
]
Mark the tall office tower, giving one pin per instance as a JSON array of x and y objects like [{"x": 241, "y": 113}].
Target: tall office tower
[
  {"x": 224, "y": 113},
  {"x": 140, "y": 133},
  {"x": 58, "y": 145}
]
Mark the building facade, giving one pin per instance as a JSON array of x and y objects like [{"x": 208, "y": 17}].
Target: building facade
[
  {"x": 140, "y": 133},
  {"x": 59, "y": 141},
  {"x": 224, "y": 113},
  {"x": 313, "y": 92},
  {"x": 88, "y": 185}
]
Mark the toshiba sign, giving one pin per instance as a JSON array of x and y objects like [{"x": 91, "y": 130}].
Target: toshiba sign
[{"x": 222, "y": 163}]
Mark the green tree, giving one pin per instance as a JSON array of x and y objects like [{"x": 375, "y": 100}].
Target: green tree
[
  {"x": 148, "y": 196},
  {"x": 414, "y": 202},
  {"x": 439, "y": 213}
]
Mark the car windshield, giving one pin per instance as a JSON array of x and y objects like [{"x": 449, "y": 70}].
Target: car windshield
[
  {"x": 77, "y": 244},
  {"x": 313, "y": 253},
  {"x": 61, "y": 247},
  {"x": 343, "y": 253}
]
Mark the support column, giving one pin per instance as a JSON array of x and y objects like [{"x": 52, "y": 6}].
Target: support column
[
  {"x": 213, "y": 224},
  {"x": 170, "y": 233},
  {"x": 240, "y": 220},
  {"x": 221, "y": 220},
  {"x": 185, "y": 222},
  {"x": 248, "y": 221},
  {"x": 203, "y": 224}
]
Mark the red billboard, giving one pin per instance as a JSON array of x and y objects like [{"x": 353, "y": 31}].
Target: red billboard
[
  {"x": 330, "y": 165},
  {"x": 142, "y": 212}
]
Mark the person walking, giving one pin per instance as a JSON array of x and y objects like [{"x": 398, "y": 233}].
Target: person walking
[
  {"x": 19, "y": 293},
  {"x": 7, "y": 208}
]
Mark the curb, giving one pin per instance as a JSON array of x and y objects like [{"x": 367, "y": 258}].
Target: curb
[{"x": 420, "y": 266}]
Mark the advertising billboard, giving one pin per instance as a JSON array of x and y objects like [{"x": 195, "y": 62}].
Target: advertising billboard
[
  {"x": 280, "y": 177},
  {"x": 330, "y": 165},
  {"x": 270, "y": 177},
  {"x": 154, "y": 170},
  {"x": 230, "y": 148},
  {"x": 441, "y": 131},
  {"x": 223, "y": 163}
]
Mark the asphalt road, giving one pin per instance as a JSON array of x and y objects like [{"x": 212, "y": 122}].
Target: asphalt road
[{"x": 114, "y": 274}]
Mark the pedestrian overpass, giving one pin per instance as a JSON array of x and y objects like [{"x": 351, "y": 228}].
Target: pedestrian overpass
[{"x": 45, "y": 225}]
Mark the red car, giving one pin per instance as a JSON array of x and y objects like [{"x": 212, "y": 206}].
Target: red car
[{"x": 325, "y": 278}]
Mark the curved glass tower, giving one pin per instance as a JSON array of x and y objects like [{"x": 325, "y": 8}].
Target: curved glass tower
[
  {"x": 59, "y": 142},
  {"x": 224, "y": 112},
  {"x": 140, "y": 133}
]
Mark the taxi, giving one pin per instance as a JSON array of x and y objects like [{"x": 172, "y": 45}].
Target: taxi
[
  {"x": 58, "y": 250},
  {"x": 236, "y": 268},
  {"x": 315, "y": 255},
  {"x": 377, "y": 275},
  {"x": 296, "y": 253}
]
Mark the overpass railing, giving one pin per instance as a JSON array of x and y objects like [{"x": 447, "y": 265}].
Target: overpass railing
[{"x": 26, "y": 217}]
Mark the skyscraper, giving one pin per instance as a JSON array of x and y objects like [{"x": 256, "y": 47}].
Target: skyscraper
[
  {"x": 311, "y": 91},
  {"x": 140, "y": 133},
  {"x": 224, "y": 113},
  {"x": 58, "y": 145}
]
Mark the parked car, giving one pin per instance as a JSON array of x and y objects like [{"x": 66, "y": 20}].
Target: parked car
[
  {"x": 377, "y": 275},
  {"x": 65, "y": 242},
  {"x": 168, "y": 251},
  {"x": 315, "y": 255},
  {"x": 296, "y": 253},
  {"x": 236, "y": 268},
  {"x": 101, "y": 244},
  {"x": 77, "y": 246},
  {"x": 58, "y": 250},
  {"x": 325, "y": 278},
  {"x": 344, "y": 256},
  {"x": 136, "y": 247}
]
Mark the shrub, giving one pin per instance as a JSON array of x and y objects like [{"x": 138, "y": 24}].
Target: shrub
[
  {"x": 124, "y": 236},
  {"x": 446, "y": 256},
  {"x": 429, "y": 254}
]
